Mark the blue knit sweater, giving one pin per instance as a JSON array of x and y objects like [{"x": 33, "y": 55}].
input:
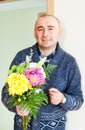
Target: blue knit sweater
[{"x": 66, "y": 78}]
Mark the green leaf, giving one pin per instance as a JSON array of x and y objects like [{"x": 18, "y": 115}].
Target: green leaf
[
  {"x": 27, "y": 58},
  {"x": 41, "y": 62},
  {"x": 48, "y": 69}
]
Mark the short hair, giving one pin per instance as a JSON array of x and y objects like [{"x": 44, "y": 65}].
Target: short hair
[{"x": 47, "y": 15}]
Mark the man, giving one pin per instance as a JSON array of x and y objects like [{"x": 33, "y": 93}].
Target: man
[{"x": 63, "y": 88}]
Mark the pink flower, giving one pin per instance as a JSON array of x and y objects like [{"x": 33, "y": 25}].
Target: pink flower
[
  {"x": 34, "y": 80},
  {"x": 36, "y": 76}
]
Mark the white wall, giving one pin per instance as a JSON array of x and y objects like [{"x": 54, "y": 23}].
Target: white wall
[
  {"x": 72, "y": 17},
  {"x": 16, "y": 33}
]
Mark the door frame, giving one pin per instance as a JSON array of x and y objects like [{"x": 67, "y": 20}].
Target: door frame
[{"x": 50, "y": 7}]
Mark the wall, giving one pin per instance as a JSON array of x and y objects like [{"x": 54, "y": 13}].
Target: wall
[
  {"x": 72, "y": 17},
  {"x": 16, "y": 33}
]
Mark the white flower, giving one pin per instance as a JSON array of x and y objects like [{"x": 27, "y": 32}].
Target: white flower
[
  {"x": 43, "y": 72},
  {"x": 32, "y": 65},
  {"x": 38, "y": 90}
]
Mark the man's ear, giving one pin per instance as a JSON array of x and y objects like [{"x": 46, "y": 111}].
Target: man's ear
[
  {"x": 60, "y": 30},
  {"x": 34, "y": 33}
]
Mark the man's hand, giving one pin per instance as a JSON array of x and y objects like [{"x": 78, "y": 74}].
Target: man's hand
[
  {"x": 56, "y": 96},
  {"x": 21, "y": 112}
]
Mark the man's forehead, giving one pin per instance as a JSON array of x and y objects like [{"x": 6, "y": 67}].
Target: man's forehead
[{"x": 47, "y": 20}]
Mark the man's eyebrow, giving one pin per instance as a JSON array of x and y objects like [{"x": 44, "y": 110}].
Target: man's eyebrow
[
  {"x": 39, "y": 27},
  {"x": 47, "y": 26},
  {"x": 51, "y": 26}
]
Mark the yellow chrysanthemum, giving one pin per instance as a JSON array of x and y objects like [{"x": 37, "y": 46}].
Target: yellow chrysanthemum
[{"x": 18, "y": 84}]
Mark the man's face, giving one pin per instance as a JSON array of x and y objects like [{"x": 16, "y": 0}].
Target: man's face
[{"x": 47, "y": 31}]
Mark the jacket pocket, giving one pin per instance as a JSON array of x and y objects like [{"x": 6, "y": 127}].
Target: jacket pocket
[
  {"x": 53, "y": 124},
  {"x": 53, "y": 121}
]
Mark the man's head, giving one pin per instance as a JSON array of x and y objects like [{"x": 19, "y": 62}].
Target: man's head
[{"x": 47, "y": 31}]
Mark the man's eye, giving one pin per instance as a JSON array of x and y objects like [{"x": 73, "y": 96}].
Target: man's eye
[
  {"x": 40, "y": 29},
  {"x": 50, "y": 28}
]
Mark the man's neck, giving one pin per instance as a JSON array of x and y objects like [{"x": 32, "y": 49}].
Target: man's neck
[{"x": 47, "y": 51}]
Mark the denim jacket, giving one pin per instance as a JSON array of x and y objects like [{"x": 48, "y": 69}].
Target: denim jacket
[{"x": 66, "y": 78}]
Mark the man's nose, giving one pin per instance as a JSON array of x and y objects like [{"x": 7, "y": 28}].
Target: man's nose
[{"x": 45, "y": 32}]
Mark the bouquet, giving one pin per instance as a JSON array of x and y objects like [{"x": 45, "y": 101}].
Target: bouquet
[{"x": 26, "y": 87}]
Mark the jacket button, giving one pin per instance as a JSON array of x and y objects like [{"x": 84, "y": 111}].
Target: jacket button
[
  {"x": 35, "y": 123},
  {"x": 46, "y": 116},
  {"x": 20, "y": 120}
]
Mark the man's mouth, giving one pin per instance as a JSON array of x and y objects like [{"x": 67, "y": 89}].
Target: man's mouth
[{"x": 46, "y": 40}]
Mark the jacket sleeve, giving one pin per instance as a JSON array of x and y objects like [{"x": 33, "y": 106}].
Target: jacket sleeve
[
  {"x": 5, "y": 98},
  {"x": 5, "y": 95},
  {"x": 73, "y": 93}
]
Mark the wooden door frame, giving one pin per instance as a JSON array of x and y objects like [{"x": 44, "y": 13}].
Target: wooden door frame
[{"x": 50, "y": 7}]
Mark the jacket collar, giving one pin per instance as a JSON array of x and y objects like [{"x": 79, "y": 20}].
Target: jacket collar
[{"x": 55, "y": 58}]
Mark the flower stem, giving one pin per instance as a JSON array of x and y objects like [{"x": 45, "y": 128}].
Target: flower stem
[{"x": 25, "y": 122}]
